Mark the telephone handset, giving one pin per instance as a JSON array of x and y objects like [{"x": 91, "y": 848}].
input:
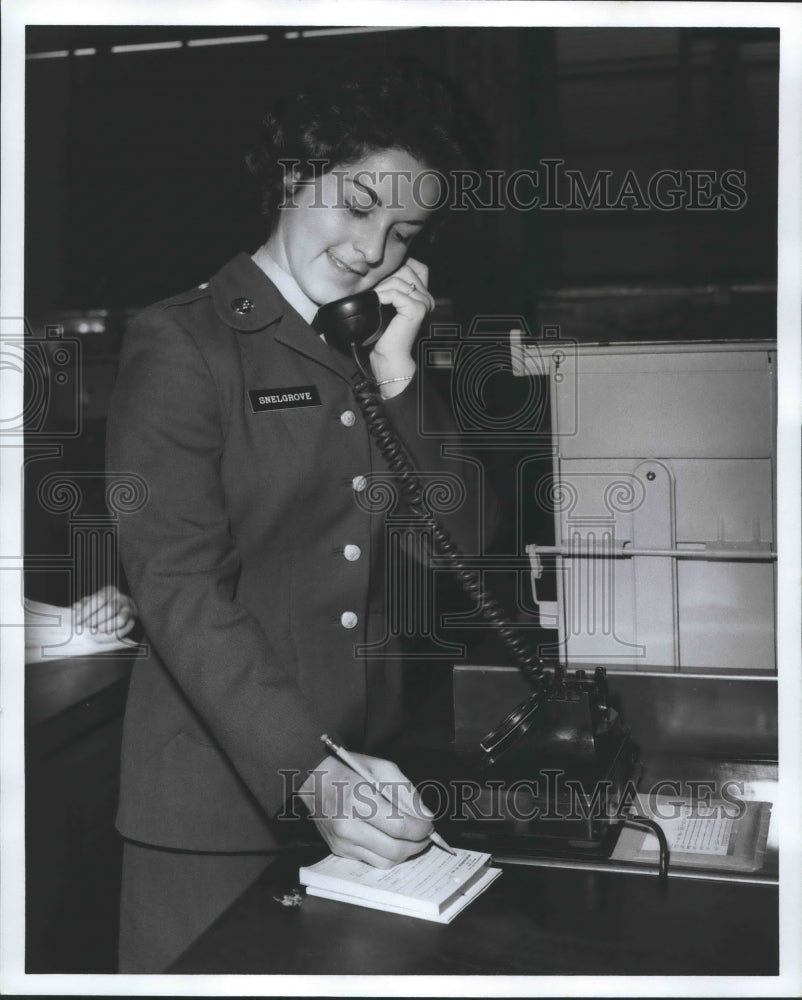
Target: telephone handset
[
  {"x": 352, "y": 321},
  {"x": 349, "y": 325}
]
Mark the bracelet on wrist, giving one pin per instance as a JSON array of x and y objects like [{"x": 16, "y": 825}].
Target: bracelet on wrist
[{"x": 401, "y": 378}]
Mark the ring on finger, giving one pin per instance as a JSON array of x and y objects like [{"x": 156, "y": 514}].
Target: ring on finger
[{"x": 412, "y": 286}]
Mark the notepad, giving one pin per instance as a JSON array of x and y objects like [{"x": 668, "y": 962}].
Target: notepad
[{"x": 434, "y": 885}]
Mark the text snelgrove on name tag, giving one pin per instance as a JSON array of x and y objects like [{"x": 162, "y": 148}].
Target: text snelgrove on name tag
[{"x": 284, "y": 398}]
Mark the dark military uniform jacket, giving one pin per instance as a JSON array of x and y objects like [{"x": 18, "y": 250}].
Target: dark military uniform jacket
[{"x": 254, "y": 559}]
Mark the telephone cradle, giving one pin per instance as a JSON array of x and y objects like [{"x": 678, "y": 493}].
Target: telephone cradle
[{"x": 549, "y": 780}]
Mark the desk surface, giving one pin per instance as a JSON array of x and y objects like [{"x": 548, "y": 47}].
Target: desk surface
[
  {"x": 55, "y": 686},
  {"x": 66, "y": 699},
  {"x": 531, "y": 921}
]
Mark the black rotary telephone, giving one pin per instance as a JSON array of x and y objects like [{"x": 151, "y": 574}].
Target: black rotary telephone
[{"x": 349, "y": 326}]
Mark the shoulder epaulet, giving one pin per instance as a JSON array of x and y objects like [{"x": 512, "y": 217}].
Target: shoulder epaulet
[{"x": 183, "y": 298}]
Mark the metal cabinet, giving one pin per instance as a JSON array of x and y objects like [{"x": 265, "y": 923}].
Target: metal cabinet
[{"x": 663, "y": 498}]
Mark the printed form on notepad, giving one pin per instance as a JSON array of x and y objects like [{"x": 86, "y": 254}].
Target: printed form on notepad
[{"x": 429, "y": 877}]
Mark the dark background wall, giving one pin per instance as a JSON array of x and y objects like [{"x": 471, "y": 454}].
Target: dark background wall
[{"x": 136, "y": 185}]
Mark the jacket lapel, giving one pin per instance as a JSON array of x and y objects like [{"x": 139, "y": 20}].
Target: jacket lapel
[
  {"x": 247, "y": 301},
  {"x": 298, "y": 336}
]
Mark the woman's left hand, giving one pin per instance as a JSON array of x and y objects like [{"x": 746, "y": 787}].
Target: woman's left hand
[{"x": 405, "y": 290}]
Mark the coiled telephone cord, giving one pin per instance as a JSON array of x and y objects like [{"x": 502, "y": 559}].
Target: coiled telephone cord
[{"x": 399, "y": 462}]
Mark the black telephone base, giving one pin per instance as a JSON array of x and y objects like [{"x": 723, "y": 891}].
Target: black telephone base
[
  {"x": 550, "y": 796},
  {"x": 504, "y": 844}
]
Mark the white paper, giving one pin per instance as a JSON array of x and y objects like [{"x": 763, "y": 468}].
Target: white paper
[
  {"x": 426, "y": 881},
  {"x": 445, "y": 917},
  {"x": 51, "y": 634},
  {"x": 693, "y": 834}
]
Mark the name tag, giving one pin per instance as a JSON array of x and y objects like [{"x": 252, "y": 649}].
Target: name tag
[{"x": 284, "y": 399}]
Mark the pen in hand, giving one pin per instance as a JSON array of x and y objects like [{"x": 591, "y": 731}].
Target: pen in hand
[{"x": 354, "y": 764}]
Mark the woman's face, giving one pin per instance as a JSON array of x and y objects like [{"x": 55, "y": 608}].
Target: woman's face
[{"x": 352, "y": 227}]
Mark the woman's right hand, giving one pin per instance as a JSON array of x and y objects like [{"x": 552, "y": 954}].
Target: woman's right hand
[{"x": 356, "y": 821}]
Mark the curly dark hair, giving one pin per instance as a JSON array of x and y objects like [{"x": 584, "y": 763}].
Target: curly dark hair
[{"x": 341, "y": 116}]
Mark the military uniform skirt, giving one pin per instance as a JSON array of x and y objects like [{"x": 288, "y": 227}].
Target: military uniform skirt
[{"x": 169, "y": 898}]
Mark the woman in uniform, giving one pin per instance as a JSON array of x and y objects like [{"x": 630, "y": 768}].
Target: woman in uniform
[{"x": 256, "y": 554}]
